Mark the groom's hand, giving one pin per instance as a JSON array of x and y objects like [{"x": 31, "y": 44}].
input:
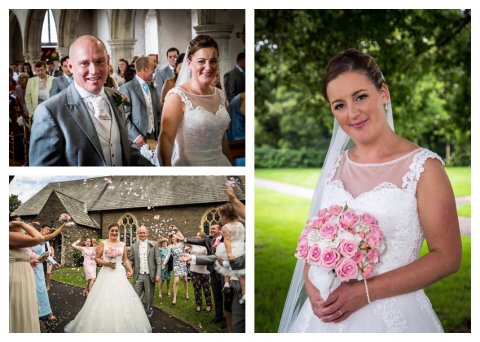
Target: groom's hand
[
  {"x": 129, "y": 274},
  {"x": 157, "y": 279}
]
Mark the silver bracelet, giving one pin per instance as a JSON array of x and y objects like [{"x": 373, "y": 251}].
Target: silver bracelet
[{"x": 366, "y": 290}]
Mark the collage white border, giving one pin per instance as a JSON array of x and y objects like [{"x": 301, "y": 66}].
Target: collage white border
[{"x": 247, "y": 171}]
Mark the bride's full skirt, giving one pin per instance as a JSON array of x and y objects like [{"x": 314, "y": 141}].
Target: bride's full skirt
[
  {"x": 411, "y": 312},
  {"x": 111, "y": 306}
]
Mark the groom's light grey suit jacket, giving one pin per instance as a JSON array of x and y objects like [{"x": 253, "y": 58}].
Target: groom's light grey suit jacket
[
  {"x": 153, "y": 257},
  {"x": 63, "y": 133}
]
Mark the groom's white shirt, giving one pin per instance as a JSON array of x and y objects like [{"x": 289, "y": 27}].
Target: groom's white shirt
[{"x": 142, "y": 252}]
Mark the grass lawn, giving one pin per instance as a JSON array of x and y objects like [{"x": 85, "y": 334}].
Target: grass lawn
[
  {"x": 459, "y": 177},
  {"x": 184, "y": 309},
  {"x": 279, "y": 219}
]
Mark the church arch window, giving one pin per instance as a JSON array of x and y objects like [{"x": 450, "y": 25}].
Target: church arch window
[
  {"x": 209, "y": 218},
  {"x": 128, "y": 229}
]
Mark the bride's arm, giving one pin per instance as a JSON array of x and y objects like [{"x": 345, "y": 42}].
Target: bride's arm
[
  {"x": 438, "y": 217},
  {"x": 127, "y": 262},
  {"x": 172, "y": 116}
]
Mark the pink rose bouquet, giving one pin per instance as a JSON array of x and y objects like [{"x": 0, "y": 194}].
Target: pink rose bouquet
[
  {"x": 112, "y": 253},
  {"x": 340, "y": 243},
  {"x": 64, "y": 217}
]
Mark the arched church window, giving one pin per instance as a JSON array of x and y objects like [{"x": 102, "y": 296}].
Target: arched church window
[
  {"x": 209, "y": 218},
  {"x": 49, "y": 31},
  {"x": 128, "y": 229}
]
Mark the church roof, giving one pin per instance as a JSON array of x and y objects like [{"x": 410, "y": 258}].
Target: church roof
[
  {"x": 76, "y": 209},
  {"x": 119, "y": 192}
]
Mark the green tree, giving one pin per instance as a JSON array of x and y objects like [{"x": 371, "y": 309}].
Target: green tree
[
  {"x": 424, "y": 55},
  {"x": 14, "y": 203}
]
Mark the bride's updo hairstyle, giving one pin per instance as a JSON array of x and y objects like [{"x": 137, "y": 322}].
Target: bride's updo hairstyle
[
  {"x": 226, "y": 210},
  {"x": 201, "y": 41},
  {"x": 352, "y": 60}
]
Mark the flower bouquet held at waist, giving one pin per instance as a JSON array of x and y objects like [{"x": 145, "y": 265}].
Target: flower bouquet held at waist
[{"x": 340, "y": 244}]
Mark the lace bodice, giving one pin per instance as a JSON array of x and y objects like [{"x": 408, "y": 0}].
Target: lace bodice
[
  {"x": 237, "y": 232},
  {"x": 391, "y": 200},
  {"x": 199, "y": 136}
]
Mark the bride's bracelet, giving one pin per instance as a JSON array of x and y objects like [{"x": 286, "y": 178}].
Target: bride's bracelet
[{"x": 366, "y": 290}]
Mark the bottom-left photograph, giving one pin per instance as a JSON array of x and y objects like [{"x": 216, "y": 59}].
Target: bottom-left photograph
[{"x": 127, "y": 254}]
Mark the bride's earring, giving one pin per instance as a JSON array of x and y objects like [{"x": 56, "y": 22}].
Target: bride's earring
[{"x": 386, "y": 107}]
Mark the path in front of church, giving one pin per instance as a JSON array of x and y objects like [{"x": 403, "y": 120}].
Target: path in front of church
[{"x": 66, "y": 301}]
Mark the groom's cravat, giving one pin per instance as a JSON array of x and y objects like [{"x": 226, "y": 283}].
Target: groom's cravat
[{"x": 100, "y": 107}]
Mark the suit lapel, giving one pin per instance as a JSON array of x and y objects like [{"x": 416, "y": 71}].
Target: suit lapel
[
  {"x": 120, "y": 117},
  {"x": 137, "y": 89},
  {"x": 79, "y": 111}
]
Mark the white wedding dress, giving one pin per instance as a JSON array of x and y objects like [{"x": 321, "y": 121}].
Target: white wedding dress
[
  {"x": 387, "y": 191},
  {"x": 199, "y": 137},
  {"x": 112, "y": 305}
]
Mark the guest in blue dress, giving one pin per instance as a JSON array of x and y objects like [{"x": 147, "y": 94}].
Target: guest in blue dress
[{"x": 44, "y": 309}]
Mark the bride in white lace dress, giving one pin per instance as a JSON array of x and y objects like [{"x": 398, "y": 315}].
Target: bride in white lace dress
[
  {"x": 405, "y": 187},
  {"x": 194, "y": 116},
  {"x": 112, "y": 304}
]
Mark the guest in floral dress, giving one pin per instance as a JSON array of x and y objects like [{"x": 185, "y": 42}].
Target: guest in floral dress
[
  {"x": 165, "y": 256},
  {"x": 89, "y": 264},
  {"x": 177, "y": 247}
]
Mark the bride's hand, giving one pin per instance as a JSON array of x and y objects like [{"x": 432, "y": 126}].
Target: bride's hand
[
  {"x": 313, "y": 293},
  {"x": 343, "y": 301},
  {"x": 112, "y": 265}
]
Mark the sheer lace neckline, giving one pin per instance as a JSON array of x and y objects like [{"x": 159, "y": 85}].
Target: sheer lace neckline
[
  {"x": 201, "y": 95},
  {"x": 387, "y": 163}
]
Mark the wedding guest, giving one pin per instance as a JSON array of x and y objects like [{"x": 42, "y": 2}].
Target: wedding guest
[
  {"x": 177, "y": 247},
  {"x": 119, "y": 76},
  {"x": 403, "y": 186},
  {"x": 62, "y": 81},
  {"x": 38, "y": 88},
  {"x": 27, "y": 68},
  {"x": 20, "y": 92},
  {"x": 147, "y": 267},
  {"x": 170, "y": 83},
  {"x": 165, "y": 257},
  {"x": 200, "y": 277},
  {"x": 89, "y": 265},
  {"x": 44, "y": 309},
  {"x": 23, "y": 308}
]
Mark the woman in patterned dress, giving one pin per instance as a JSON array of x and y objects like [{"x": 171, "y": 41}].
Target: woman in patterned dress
[{"x": 177, "y": 247}]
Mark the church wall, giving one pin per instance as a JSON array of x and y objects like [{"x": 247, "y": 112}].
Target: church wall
[{"x": 186, "y": 219}]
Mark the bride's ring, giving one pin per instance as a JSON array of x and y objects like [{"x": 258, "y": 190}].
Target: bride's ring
[{"x": 340, "y": 312}]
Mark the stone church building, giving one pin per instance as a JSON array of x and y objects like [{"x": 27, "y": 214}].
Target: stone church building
[{"x": 188, "y": 202}]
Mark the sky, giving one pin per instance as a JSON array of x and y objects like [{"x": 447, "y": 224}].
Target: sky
[{"x": 27, "y": 186}]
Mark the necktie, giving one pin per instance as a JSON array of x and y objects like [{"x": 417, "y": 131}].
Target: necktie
[
  {"x": 146, "y": 88},
  {"x": 100, "y": 109}
]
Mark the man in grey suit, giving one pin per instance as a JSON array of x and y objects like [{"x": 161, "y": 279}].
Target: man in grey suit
[
  {"x": 147, "y": 267},
  {"x": 143, "y": 115},
  {"x": 167, "y": 72},
  {"x": 63, "y": 81},
  {"x": 234, "y": 80},
  {"x": 82, "y": 125}
]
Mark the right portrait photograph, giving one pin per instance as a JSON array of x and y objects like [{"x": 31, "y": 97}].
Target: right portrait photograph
[{"x": 363, "y": 171}]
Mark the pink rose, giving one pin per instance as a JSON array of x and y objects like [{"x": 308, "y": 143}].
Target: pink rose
[
  {"x": 369, "y": 219},
  {"x": 302, "y": 249},
  {"x": 348, "y": 248},
  {"x": 346, "y": 269},
  {"x": 358, "y": 257},
  {"x": 373, "y": 240},
  {"x": 328, "y": 231},
  {"x": 335, "y": 210},
  {"x": 314, "y": 254},
  {"x": 372, "y": 256},
  {"x": 367, "y": 271},
  {"x": 329, "y": 258},
  {"x": 348, "y": 219}
]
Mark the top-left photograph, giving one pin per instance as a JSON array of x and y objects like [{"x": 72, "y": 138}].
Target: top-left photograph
[{"x": 127, "y": 87}]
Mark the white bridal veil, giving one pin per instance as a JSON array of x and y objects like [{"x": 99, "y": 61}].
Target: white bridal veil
[{"x": 296, "y": 294}]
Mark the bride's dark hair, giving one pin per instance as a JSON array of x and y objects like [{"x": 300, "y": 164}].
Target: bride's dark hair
[
  {"x": 200, "y": 42},
  {"x": 352, "y": 60}
]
